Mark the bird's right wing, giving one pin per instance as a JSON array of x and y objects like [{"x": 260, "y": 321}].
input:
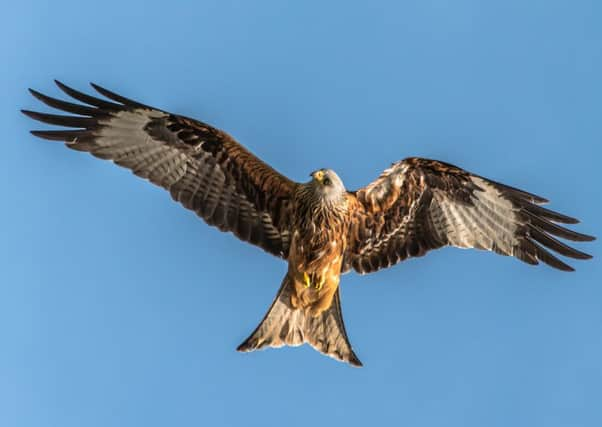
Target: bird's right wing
[{"x": 202, "y": 167}]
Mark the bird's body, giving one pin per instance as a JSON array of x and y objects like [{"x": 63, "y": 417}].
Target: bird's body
[
  {"x": 319, "y": 241},
  {"x": 321, "y": 229}
]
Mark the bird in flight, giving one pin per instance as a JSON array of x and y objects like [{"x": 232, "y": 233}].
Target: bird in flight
[{"x": 319, "y": 227}]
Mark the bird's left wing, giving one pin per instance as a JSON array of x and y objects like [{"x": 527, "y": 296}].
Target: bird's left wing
[
  {"x": 202, "y": 167},
  {"x": 418, "y": 204}
]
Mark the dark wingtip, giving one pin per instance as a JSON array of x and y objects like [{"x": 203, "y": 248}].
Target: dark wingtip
[
  {"x": 30, "y": 114},
  {"x": 68, "y": 90},
  {"x": 68, "y": 136},
  {"x": 97, "y": 87},
  {"x": 42, "y": 134},
  {"x": 565, "y": 219},
  {"x": 37, "y": 95},
  {"x": 118, "y": 98},
  {"x": 60, "y": 84}
]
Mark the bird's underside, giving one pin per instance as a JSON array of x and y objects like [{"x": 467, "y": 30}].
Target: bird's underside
[{"x": 319, "y": 227}]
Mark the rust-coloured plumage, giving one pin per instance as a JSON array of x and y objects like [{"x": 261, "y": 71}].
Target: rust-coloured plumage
[
  {"x": 319, "y": 227},
  {"x": 420, "y": 204}
]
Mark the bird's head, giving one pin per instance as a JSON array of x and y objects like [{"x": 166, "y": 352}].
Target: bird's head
[{"x": 327, "y": 183}]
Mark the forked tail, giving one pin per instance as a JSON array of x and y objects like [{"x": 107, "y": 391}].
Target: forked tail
[{"x": 285, "y": 325}]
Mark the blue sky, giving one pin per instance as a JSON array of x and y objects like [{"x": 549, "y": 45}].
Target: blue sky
[{"x": 119, "y": 307}]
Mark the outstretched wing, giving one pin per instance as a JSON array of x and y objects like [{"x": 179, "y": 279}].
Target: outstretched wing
[
  {"x": 420, "y": 204},
  {"x": 203, "y": 168}
]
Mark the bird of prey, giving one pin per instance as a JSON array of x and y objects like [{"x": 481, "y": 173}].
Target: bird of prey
[{"x": 321, "y": 229}]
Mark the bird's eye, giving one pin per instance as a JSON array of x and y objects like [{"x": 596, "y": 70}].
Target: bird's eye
[{"x": 326, "y": 181}]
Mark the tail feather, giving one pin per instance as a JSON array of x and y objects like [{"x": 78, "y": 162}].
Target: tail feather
[{"x": 285, "y": 325}]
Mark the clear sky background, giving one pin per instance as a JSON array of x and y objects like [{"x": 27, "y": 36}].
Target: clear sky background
[{"x": 119, "y": 307}]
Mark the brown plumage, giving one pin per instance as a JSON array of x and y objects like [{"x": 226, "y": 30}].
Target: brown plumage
[
  {"x": 320, "y": 228},
  {"x": 420, "y": 204}
]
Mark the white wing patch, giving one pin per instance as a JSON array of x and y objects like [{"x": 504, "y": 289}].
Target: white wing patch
[
  {"x": 489, "y": 223},
  {"x": 123, "y": 139}
]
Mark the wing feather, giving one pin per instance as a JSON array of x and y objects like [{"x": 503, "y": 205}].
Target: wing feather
[
  {"x": 420, "y": 204},
  {"x": 202, "y": 167}
]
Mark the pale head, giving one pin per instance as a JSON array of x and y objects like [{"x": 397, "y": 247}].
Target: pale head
[{"x": 327, "y": 184}]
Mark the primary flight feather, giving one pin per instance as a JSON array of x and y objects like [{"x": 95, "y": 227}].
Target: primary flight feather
[{"x": 319, "y": 227}]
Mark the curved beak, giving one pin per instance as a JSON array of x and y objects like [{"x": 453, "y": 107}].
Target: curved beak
[{"x": 317, "y": 175}]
